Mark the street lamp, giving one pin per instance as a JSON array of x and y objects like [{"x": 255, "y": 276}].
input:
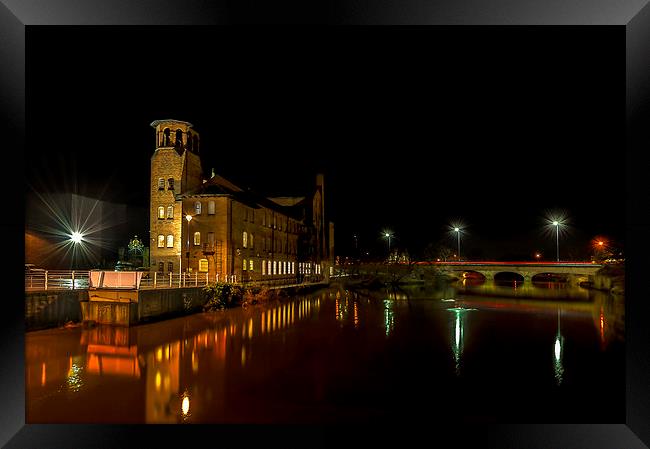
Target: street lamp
[
  {"x": 457, "y": 230},
  {"x": 188, "y": 217},
  {"x": 388, "y": 236},
  {"x": 557, "y": 237}
]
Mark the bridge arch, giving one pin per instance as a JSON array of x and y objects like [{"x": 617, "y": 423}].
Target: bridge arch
[
  {"x": 474, "y": 275},
  {"x": 508, "y": 276},
  {"x": 540, "y": 278}
]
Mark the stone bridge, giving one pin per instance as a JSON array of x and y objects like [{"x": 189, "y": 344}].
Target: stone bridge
[{"x": 575, "y": 272}]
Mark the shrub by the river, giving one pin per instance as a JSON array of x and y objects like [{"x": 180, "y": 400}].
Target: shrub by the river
[
  {"x": 256, "y": 295},
  {"x": 222, "y": 295}
]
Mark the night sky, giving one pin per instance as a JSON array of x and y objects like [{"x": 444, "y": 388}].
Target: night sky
[{"x": 413, "y": 128}]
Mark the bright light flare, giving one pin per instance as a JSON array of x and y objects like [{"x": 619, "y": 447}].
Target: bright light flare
[{"x": 74, "y": 226}]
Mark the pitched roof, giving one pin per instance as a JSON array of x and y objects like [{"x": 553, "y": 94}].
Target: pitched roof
[{"x": 220, "y": 186}]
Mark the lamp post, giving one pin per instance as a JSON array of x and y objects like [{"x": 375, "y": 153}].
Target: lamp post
[
  {"x": 188, "y": 217},
  {"x": 388, "y": 236},
  {"x": 557, "y": 238},
  {"x": 457, "y": 230}
]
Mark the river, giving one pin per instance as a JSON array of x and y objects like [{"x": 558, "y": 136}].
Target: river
[{"x": 449, "y": 352}]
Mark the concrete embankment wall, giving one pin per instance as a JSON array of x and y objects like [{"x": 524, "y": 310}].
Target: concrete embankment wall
[
  {"x": 46, "y": 309},
  {"x": 129, "y": 307}
]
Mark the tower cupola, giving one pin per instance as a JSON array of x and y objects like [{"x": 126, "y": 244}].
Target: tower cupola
[{"x": 176, "y": 134}]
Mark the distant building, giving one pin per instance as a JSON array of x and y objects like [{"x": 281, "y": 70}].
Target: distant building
[
  {"x": 52, "y": 218},
  {"x": 231, "y": 231}
]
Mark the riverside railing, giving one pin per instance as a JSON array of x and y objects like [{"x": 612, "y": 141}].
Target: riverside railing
[
  {"x": 176, "y": 280},
  {"x": 79, "y": 279},
  {"x": 56, "y": 280}
]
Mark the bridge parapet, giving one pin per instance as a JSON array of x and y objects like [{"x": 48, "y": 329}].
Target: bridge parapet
[{"x": 575, "y": 271}]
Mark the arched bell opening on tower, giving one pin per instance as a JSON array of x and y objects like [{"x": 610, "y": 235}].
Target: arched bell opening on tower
[{"x": 166, "y": 138}]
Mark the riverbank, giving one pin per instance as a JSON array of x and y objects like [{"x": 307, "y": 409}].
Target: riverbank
[
  {"x": 610, "y": 278},
  {"x": 59, "y": 309}
]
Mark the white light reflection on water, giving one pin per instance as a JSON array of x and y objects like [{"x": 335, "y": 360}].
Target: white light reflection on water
[
  {"x": 558, "y": 349},
  {"x": 389, "y": 317},
  {"x": 458, "y": 335}
]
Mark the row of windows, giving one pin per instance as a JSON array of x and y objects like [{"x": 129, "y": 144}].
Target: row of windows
[
  {"x": 277, "y": 267},
  {"x": 203, "y": 266},
  {"x": 211, "y": 208},
  {"x": 161, "y": 183},
  {"x": 249, "y": 216},
  {"x": 270, "y": 268},
  {"x": 289, "y": 247},
  {"x": 291, "y": 226}
]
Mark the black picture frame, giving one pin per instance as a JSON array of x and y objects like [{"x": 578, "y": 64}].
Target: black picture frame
[{"x": 634, "y": 17}]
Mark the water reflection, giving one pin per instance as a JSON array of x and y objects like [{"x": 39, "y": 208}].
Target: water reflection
[
  {"x": 389, "y": 317},
  {"x": 558, "y": 352},
  {"x": 458, "y": 332},
  {"x": 285, "y": 360}
]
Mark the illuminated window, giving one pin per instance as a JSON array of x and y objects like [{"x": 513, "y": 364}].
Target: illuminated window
[
  {"x": 197, "y": 208},
  {"x": 250, "y": 265},
  {"x": 170, "y": 241},
  {"x": 203, "y": 265},
  {"x": 275, "y": 268},
  {"x": 170, "y": 211},
  {"x": 244, "y": 265},
  {"x": 210, "y": 207},
  {"x": 293, "y": 268},
  {"x": 161, "y": 183},
  {"x": 161, "y": 241},
  {"x": 161, "y": 212},
  {"x": 170, "y": 184},
  {"x": 263, "y": 267},
  {"x": 245, "y": 239},
  {"x": 170, "y": 267},
  {"x": 197, "y": 238}
]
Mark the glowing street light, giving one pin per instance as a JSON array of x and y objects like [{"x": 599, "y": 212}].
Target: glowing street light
[
  {"x": 557, "y": 237},
  {"x": 76, "y": 237},
  {"x": 557, "y": 221},
  {"x": 457, "y": 231},
  {"x": 188, "y": 217},
  {"x": 388, "y": 235}
]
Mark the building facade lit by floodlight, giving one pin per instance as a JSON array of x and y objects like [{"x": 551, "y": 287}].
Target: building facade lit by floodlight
[{"x": 232, "y": 231}]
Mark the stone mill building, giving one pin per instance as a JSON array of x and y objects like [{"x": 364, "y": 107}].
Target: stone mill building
[{"x": 210, "y": 225}]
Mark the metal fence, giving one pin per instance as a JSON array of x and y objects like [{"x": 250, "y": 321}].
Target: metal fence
[
  {"x": 176, "y": 280},
  {"x": 78, "y": 280},
  {"x": 56, "y": 280}
]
